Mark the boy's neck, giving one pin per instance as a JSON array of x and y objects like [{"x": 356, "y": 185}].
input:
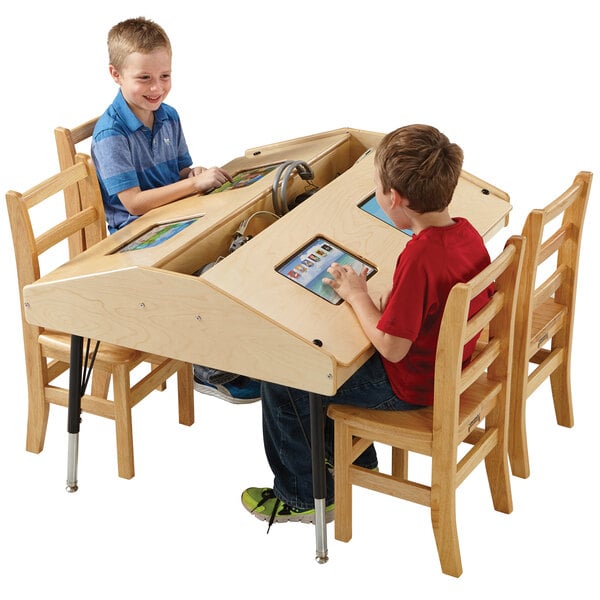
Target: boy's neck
[
  {"x": 431, "y": 219},
  {"x": 147, "y": 118}
]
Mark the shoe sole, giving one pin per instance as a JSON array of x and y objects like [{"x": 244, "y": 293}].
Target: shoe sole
[
  {"x": 307, "y": 518},
  {"x": 216, "y": 393}
]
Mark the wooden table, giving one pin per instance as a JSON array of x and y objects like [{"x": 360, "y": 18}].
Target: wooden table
[{"x": 241, "y": 315}]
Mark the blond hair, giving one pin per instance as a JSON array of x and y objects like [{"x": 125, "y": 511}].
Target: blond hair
[{"x": 135, "y": 35}]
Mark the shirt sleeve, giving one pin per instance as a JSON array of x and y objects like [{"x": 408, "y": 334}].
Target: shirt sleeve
[
  {"x": 184, "y": 158},
  {"x": 114, "y": 163}
]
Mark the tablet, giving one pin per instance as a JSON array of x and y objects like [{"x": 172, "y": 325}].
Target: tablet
[
  {"x": 157, "y": 234},
  {"x": 371, "y": 206},
  {"x": 308, "y": 267},
  {"x": 246, "y": 177}
]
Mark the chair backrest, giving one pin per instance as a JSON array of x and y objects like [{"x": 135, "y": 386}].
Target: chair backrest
[
  {"x": 30, "y": 244},
  {"x": 560, "y": 277},
  {"x": 484, "y": 383},
  {"x": 67, "y": 141}
]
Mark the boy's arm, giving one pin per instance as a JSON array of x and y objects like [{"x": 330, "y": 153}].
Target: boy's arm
[
  {"x": 138, "y": 202},
  {"x": 353, "y": 288}
]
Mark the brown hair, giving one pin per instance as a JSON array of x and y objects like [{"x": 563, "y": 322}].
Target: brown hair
[
  {"x": 135, "y": 35},
  {"x": 421, "y": 164}
]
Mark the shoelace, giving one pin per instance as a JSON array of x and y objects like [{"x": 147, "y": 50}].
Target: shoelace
[{"x": 268, "y": 494}]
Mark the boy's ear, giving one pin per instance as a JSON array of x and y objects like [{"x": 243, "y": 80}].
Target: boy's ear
[
  {"x": 114, "y": 74},
  {"x": 398, "y": 200}
]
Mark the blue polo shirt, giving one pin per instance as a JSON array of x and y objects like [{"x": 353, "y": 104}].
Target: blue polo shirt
[{"x": 127, "y": 154}]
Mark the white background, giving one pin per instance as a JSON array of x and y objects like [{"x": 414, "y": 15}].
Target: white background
[{"x": 515, "y": 83}]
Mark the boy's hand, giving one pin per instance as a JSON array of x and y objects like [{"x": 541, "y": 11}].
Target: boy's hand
[
  {"x": 346, "y": 282},
  {"x": 208, "y": 179},
  {"x": 194, "y": 171}
]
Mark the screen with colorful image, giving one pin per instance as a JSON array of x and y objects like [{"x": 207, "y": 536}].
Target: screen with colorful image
[
  {"x": 246, "y": 177},
  {"x": 308, "y": 267},
  {"x": 157, "y": 235},
  {"x": 371, "y": 206}
]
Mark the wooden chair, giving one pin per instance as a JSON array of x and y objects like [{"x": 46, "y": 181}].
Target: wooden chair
[
  {"x": 463, "y": 400},
  {"x": 67, "y": 143},
  {"x": 47, "y": 353},
  {"x": 66, "y": 146},
  {"x": 544, "y": 325}
]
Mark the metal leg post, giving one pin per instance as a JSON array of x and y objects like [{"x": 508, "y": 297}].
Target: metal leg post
[
  {"x": 317, "y": 436},
  {"x": 74, "y": 413}
]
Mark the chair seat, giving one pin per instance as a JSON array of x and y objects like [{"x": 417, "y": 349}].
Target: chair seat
[
  {"x": 59, "y": 345},
  {"x": 547, "y": 319},
  {"x": 416, "y": 426}
]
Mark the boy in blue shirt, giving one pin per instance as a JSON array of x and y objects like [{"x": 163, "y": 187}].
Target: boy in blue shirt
[{"x": 142, "y": 158}]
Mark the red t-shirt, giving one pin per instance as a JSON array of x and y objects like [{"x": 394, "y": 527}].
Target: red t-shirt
[{"x": 432, "y": 262}]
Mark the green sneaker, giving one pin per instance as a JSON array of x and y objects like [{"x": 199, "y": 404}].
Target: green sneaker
[{"x": 264, "y": 505}]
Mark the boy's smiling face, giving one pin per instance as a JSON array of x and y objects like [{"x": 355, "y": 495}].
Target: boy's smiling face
[{"x": 145, "y": 81}]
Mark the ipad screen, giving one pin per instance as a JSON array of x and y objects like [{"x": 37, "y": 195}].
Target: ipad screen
[{"x": 308, "y": 267}]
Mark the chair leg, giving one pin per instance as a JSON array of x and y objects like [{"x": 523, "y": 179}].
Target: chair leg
[
  {"x": 399, "y": 463},
  {"x": 498, "y": 474},
  {"x": 517, "y": 430},
  {"x": 38, "y": 408},
  {"x": 443, "y": 519},
  {"x": 560, "y": 381},
  {"x": 100, "y": 383},
  {"x": 37, "y": 422},
  {"x": 123, "y": 421},
  {"x": 163, "y": 386},
  {"x": 342, "y": 486},
  {"x": 185, "y": 391}
]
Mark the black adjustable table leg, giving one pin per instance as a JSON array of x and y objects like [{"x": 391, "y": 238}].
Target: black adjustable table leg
[
  {"x": 74, "y": 413},
  {"x": 317, "y": 436}
]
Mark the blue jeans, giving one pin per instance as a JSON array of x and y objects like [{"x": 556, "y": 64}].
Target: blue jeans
[{"x": 286, "y": 429}]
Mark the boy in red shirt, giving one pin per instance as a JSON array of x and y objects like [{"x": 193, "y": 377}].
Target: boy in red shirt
[{"x": 416, "y": 171}]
